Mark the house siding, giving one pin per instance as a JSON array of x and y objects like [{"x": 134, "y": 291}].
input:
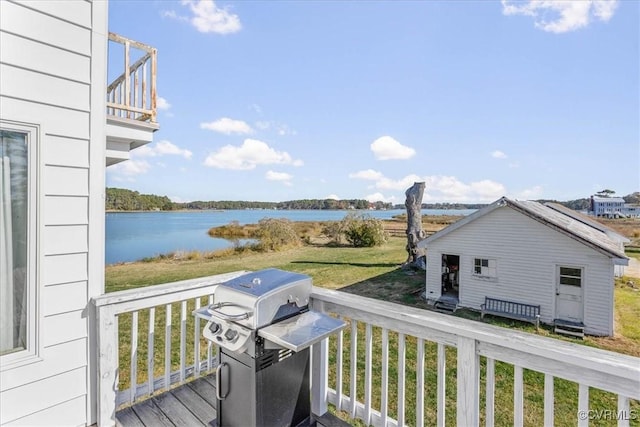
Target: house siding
[
  {"x": 48, "y": 61},
  {"x": 528, "y": 254}
]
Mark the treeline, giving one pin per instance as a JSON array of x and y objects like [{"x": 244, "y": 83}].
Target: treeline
[
  {"x": 119, "y": 199},
  {"x": 306, "y": 204}
]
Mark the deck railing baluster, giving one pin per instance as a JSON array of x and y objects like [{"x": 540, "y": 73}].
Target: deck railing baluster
[
  {"x": 134, "y": 356},
  {"x": 583, "y": 405},
  {"x": 150, "y": 350},
  {"x": 367, "y": 373},
  {"x": 441, "y": 384},
  {"x": 548, "y": 400},
  {"x": 339, "y": 350},
  {"x": 420, "y": 383},
  {"x": 353, "y": 372},
  {"x": 196, "y": 342},
  {"x": 401, "y": 378},
  {"x": 490, "y": 391},
  {"x": 167, "y": 348},
  {"x": 518, "y": 396},
  {"x": 183, "y": 338},
  {"x": 384, "y": 392}
]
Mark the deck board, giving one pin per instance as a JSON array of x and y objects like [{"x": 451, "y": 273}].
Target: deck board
[
  {"x": 203, "y": 409},
  {"x": 179, "y": 414},
  {"x": 149, "y": 414},
  {"x": 191, "y": 404}
]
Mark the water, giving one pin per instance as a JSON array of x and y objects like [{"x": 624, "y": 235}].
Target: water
[{"x": 131, "y": 236}]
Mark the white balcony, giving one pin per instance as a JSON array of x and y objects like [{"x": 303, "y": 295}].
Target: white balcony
[
  {"x": 394, "y": 365},
  {"x": 131, "y": 98}
]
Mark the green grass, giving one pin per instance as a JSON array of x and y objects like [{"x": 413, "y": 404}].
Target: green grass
[{"x": 371, "y": 272}]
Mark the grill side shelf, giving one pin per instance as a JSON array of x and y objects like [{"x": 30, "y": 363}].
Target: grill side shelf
[{"x": 299, "y": 332}]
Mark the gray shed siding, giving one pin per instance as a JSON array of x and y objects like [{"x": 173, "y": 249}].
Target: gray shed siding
[
  {"x": 46, "y": 75},
  {"x": 527, "y": 254}
]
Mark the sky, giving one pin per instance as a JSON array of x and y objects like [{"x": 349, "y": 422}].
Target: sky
[{"x": 353, "y": 99}]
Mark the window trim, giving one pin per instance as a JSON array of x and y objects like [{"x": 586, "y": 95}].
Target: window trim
[
  {"x": 489, "y": 262},
  {"x": 33, "y": 352}
]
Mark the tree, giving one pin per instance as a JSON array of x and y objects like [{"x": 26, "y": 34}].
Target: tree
[
  {"x": 415, "y": 233},
  {"x": 605, "y": 193}
]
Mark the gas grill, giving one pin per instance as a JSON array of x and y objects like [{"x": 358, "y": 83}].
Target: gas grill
[{"x": 263, "y": 326}]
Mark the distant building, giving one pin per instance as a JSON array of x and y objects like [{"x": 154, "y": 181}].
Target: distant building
[{"x": 612, "y": 207}]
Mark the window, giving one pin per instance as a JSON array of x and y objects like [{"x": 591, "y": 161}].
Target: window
[
  {"x": 571, "y": 276},
  {"x": 485, "y": 267},
  {"x": 17, "y": 242}
]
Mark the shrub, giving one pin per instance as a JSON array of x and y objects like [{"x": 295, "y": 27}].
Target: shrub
[
  {"x": 276, "y": 234},
  {"x": 362, "y": 230}
]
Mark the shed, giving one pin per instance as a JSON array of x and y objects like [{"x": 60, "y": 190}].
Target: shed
[{"x": 531, "y": 253}]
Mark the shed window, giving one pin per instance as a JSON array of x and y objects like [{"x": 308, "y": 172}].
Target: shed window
[{"x": 485, "y": 267}]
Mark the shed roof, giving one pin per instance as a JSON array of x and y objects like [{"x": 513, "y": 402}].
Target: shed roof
[
  {"x": 555, "y": 219},
  {"x": 588, "y": 221}
]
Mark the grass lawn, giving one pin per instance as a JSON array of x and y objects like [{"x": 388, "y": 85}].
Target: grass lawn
[{"x": 375, "y": 273}]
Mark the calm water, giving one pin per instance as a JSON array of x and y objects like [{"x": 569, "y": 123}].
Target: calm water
[{"x": 135, "y": 235}]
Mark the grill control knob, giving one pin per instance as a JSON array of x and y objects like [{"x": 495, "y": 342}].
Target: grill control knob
[
  {"x": 214, "y": 328},
  {"x": 231, "y": 335}
]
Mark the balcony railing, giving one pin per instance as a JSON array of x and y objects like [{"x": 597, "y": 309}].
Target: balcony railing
[
  {"x": 132, "y": 95},
  {"x": 394, "y": 365}
]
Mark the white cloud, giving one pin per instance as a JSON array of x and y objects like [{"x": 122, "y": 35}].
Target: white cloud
[
  {"x": 437, "y": 187},
  {"x": 248, "y": 155},
  {"x": 368, "y": 174},
  {"x": 206, "y": 17},
  {"x": 387, "y": 148},
  {"x": 161, "y": 148},
  {"x": 561, "y": 16},
  {"x": 400, "y": 185},
  {"x": 162, "y": 104},
  {"x": 228, "y": 126},
  {"x": 281, "y": 129},
  {"x": 529, "y": 193},
  {"x": 498, "y": 155},
  {"x": 333, "y": 197},
  {"x": 278, "y": 176},
  {"x": 379, "y": 197},
  {"x": 130, "y": 167}
]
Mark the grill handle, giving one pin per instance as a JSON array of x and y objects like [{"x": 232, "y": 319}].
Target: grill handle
[
  {"x": 219, "y": 396},
  {"x": 215, "y": 308}
]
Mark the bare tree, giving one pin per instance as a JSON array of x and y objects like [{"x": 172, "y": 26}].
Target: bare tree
[{"x": 415, "y": 233}]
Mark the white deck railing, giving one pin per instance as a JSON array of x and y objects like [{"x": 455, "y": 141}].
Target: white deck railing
[
  {"x": 477, "y": 350},
  {"x": 394, "y": 365},
  {"x": 182, "y": 350}
]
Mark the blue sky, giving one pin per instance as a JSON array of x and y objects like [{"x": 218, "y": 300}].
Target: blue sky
[{"x": 283, "y": 100}]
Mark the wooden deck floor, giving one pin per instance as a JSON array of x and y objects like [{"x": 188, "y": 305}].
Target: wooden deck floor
[{"x": 190, "y": 404}]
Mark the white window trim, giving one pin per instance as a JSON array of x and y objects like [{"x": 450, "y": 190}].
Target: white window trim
[
  {"x": 33, "y": 352},
  {"x": 484, "y": 276}
]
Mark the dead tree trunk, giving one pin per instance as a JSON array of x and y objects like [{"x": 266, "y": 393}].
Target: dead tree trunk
[{"x": 415, "y": 233}]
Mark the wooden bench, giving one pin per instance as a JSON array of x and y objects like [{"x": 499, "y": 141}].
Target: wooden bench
[{"x": 512, "y": 310}]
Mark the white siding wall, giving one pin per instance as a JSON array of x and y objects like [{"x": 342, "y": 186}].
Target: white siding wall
[
  {"x": 45, "y": 79},
  {"x": 527, "y": 255}
]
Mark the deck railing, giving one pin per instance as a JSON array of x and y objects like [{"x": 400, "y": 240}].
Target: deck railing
[
  {"x": 473, "y": 353},
  {"x": 130, "y": 368},
  {"x": 132, "y": 95},
  {"x": 394, "y": 365}
]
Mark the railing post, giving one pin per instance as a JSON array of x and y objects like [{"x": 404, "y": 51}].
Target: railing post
[
  {"x": 319, "y": 372},
  {"x": 153, "y": 91},
  {"x": 107, "y": 333},
  {"x": 468, "y": 372}
]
